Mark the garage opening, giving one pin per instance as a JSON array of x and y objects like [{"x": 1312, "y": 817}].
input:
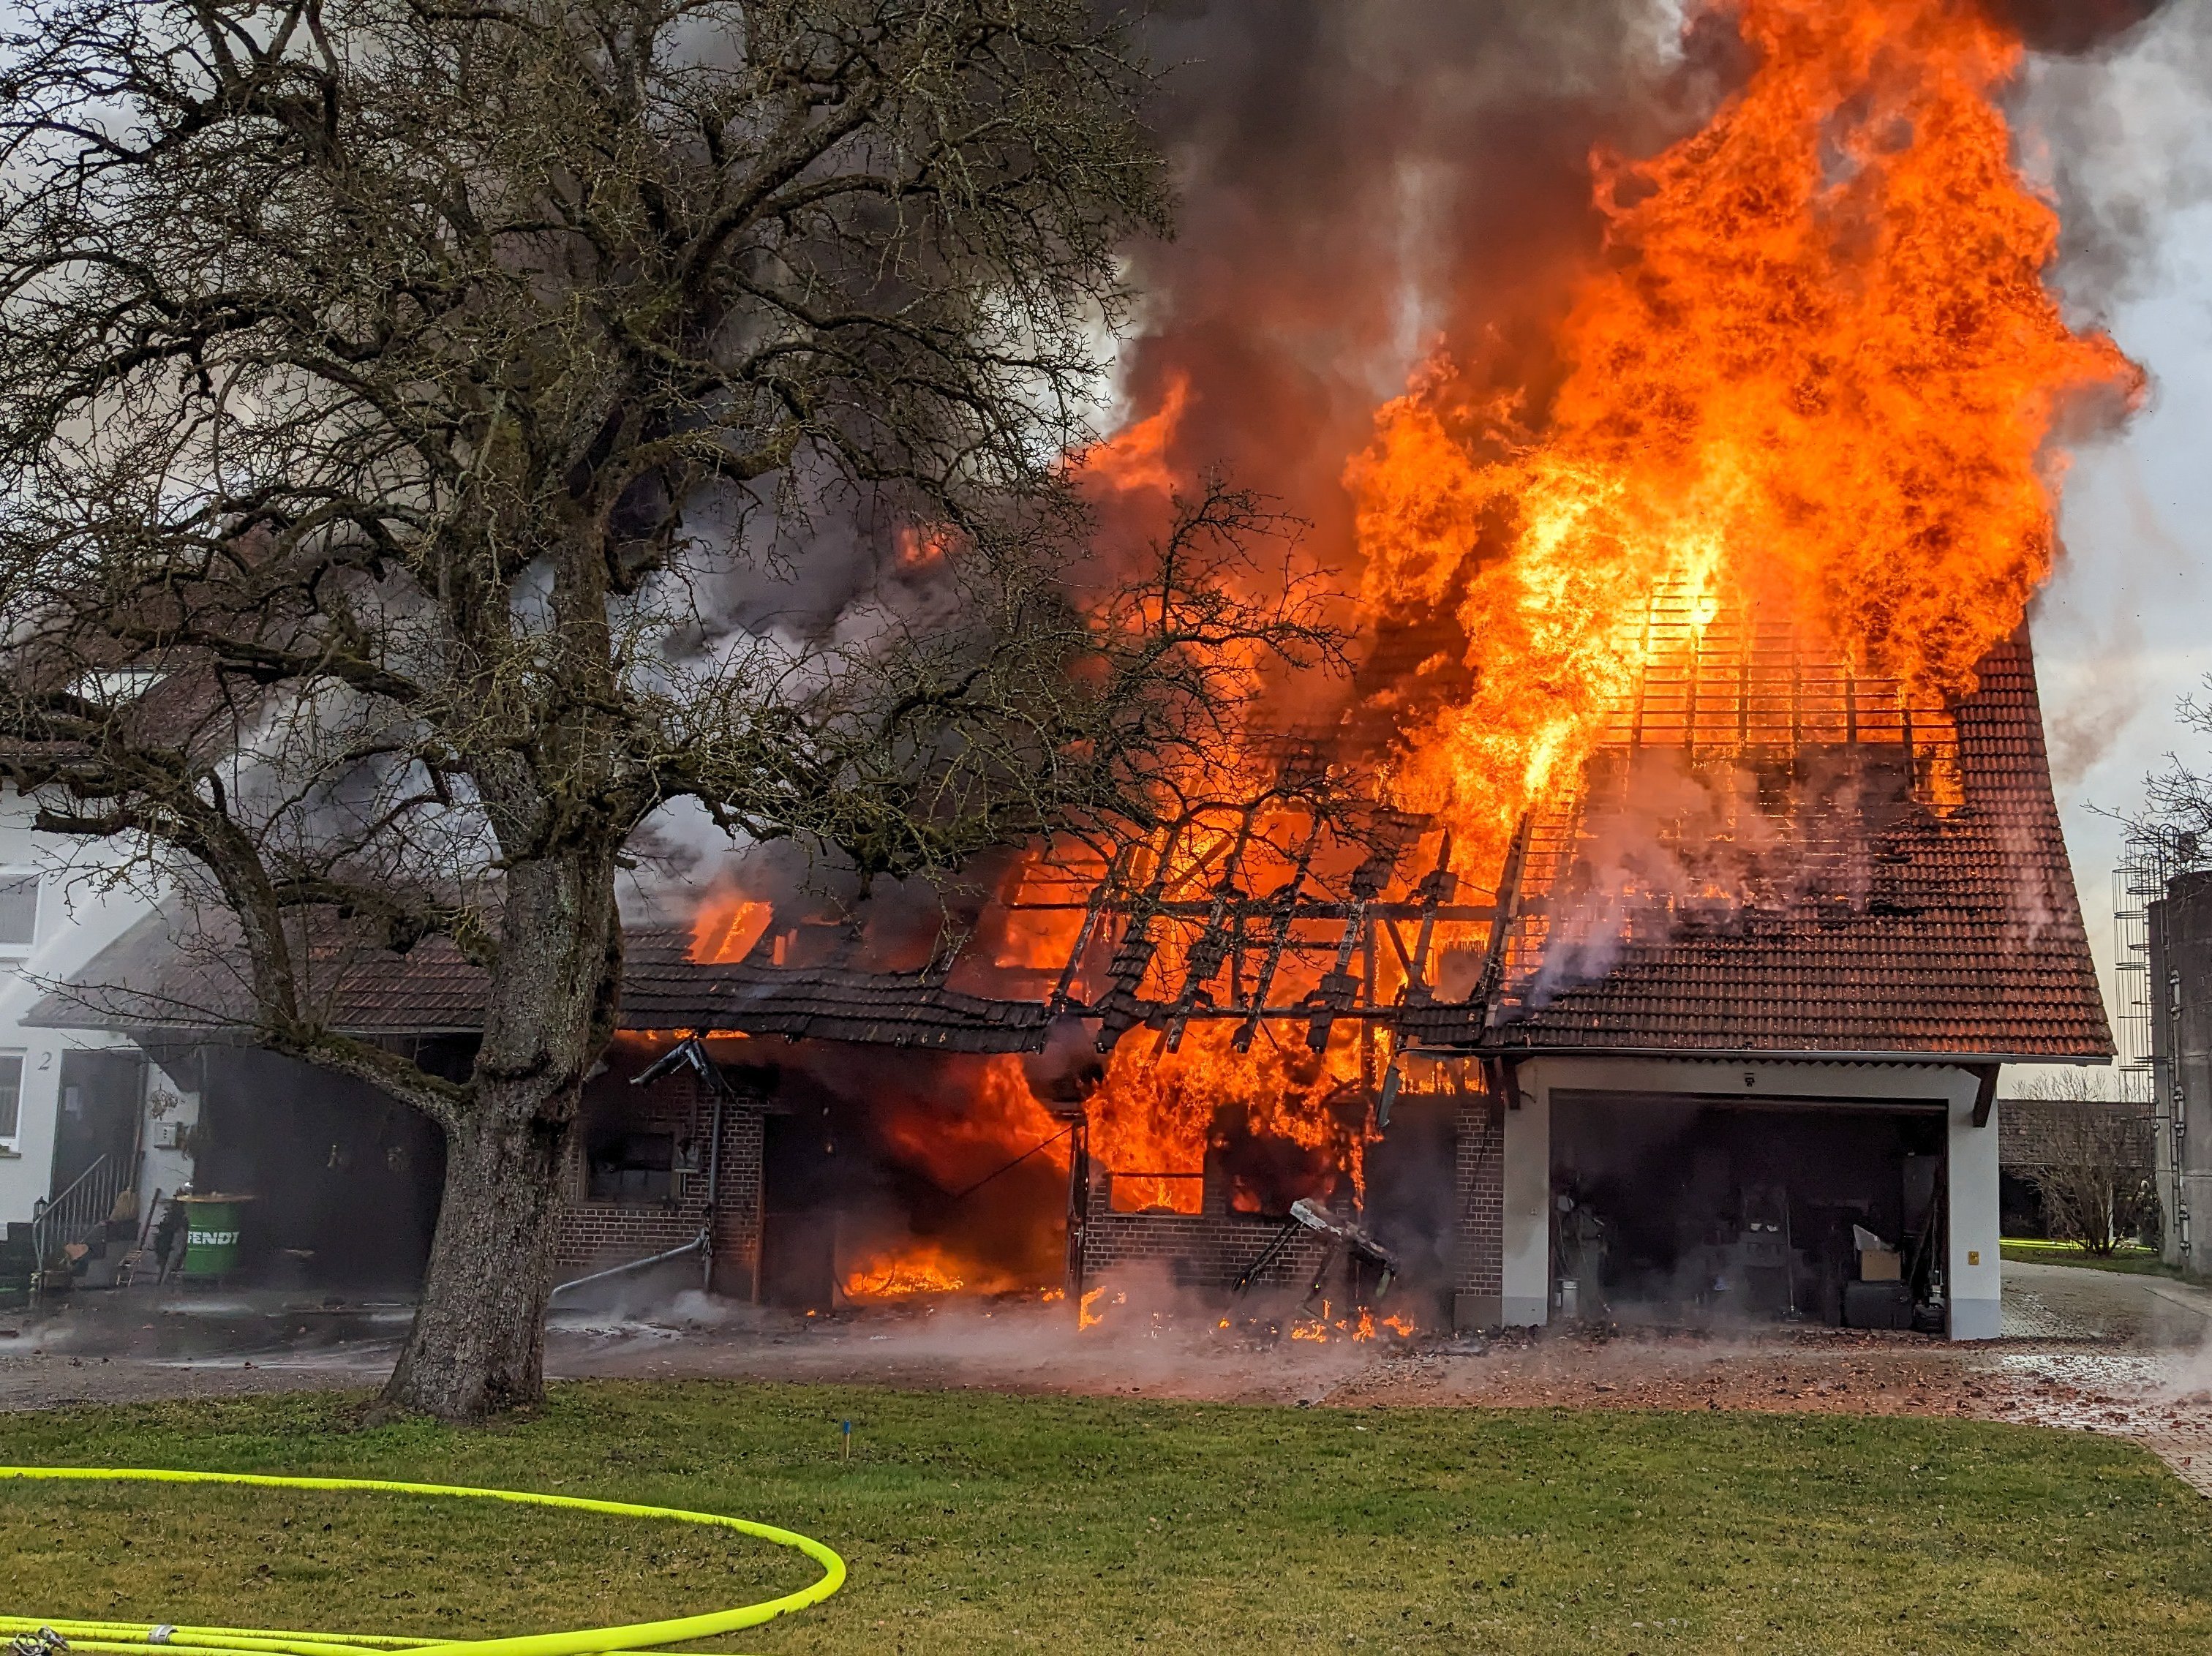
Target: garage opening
[{"x": 1684, "y": 1210}]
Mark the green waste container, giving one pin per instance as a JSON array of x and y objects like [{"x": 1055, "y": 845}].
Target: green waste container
[{"x": 211, "y": 1228}]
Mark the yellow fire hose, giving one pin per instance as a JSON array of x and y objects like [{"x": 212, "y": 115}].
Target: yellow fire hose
[{"x": 134, "y": 1639}]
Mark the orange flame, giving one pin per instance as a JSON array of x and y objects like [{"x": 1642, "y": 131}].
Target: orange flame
[
  {"x": 920, "y": 1268},
  {"x": 1822, "y": 362},
  {"x": 1000, "y": 1120},
  {"x": 727, "y": 927},
  {"x": 1135, "y": 458},
  {"x": 1153, "y": 1116},
  {"x": 920, "y": 546}
]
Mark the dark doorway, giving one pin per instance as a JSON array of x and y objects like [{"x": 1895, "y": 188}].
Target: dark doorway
[
  {"x": 1412, "y": 1194},
  {"x": 344, "y": 1180},
  {"x": 801, "y": 1181},
  {"x": 100, "y": 1093}
]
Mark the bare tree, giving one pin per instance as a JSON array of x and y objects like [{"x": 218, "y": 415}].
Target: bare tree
[
  {"x": 2175, "y": 825},
  {"x": 387, "y": 391},
  {"x": 2092, "y": 1161}
]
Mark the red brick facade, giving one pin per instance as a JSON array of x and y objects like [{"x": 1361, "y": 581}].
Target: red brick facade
[
  {"x": 1208, "y": 1249},
  {"x": 594, "y": 1235},
  {"x": 1479, "y": 1222}
]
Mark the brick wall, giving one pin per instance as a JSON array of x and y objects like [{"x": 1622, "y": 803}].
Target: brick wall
[
  {"x": 593, "y": 1235},
  {"x": 1211, "y": 1247},
  {"x": 1208, "y": 1249},
  {"x": 1479, "y": 1225}
]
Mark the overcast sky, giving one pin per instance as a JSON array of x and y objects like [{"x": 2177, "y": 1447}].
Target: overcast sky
[{"x": 2125, "y": 629}]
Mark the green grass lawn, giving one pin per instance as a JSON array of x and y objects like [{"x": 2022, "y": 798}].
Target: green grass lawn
[
  {"x": 978, "y": 1523},
  {"x": 2129, "y": 1257}
]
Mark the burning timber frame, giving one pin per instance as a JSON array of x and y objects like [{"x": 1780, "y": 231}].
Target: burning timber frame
[
  {"x": 1715, "y": 682},
  {"x": 1251, "y": 934}
]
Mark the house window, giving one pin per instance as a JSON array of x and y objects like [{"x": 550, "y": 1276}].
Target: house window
[
  {"x": 11, "y": 1093},
  {"x": 638, "y": 1166},
  {"x": 19, "y": 910}
]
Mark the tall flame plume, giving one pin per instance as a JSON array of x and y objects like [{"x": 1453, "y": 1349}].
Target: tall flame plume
[{"x": 1821, "y": 366}]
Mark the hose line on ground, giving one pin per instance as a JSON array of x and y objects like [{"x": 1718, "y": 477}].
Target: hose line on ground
[{"x": 135, "y": 1639}]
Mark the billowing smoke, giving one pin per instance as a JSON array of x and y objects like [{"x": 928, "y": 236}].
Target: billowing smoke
[
  {"x": 2118, "y": 130},
  {"x": 2072, "y": 26},
  {"x": 1358, "y": 180}
]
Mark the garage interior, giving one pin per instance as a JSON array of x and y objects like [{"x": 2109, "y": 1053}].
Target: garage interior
[{"x": 1689, "y": 1210}]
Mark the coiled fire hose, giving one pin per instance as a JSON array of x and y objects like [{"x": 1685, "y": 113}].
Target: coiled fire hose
[{"x": 133, "y": 1638}]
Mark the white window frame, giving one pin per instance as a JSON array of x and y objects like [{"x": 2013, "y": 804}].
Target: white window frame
[
  {"x": 12, "y": 1138},
  {"x": 16, "y": 951}
]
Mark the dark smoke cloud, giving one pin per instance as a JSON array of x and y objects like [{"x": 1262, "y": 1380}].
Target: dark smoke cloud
[
  {"x": 1358, "y": 179},
  {"x": 2071, "y": 26}
]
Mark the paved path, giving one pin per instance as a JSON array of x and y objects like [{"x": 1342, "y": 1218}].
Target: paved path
[
  {"x": 2108, "y": 1351},
  {"x": 2076, "y": 1302}
]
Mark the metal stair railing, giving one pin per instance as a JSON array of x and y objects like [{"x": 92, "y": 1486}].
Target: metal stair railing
[{"x": 80, "y": 1207}]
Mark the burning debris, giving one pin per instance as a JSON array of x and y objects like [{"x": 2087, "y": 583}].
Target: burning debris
[{"x": 1348, "y": 1240}]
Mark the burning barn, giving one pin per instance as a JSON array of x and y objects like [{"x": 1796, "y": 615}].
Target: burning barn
[
  {"x": 1719, "y": 1041},
  {"x": 1641, "y": 935}
]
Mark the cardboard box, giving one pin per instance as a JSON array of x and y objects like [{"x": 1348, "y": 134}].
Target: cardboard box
[{"x": 1880, "y": 1264}]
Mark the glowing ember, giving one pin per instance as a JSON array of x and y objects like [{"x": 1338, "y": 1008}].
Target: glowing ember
[
  {"x": 1320, "y": 1330},
  {"x": 924, "y": 1268}
]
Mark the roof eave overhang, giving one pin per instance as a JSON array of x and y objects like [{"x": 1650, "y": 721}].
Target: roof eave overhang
[{"x": 1754, "y": 1055}]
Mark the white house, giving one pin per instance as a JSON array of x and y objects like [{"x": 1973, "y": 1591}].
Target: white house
[{"x": 78, "y": 1107}]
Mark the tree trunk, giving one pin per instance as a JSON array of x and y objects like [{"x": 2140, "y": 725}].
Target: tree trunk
[{"x": 478, "y": 1345}]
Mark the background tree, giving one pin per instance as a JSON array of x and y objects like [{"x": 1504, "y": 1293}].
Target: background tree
[
  {"x": 387, "y": 393},
  {"x": 2093, "y": 1161},
  {"x": 2174, "y": 828}
]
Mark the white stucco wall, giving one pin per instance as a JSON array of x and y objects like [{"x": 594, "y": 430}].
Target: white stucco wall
[
  {"x": 1525, "y": 1288},
  {"x": 1972, "y": 1271},
  {"x": 75, "y": 921}
]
